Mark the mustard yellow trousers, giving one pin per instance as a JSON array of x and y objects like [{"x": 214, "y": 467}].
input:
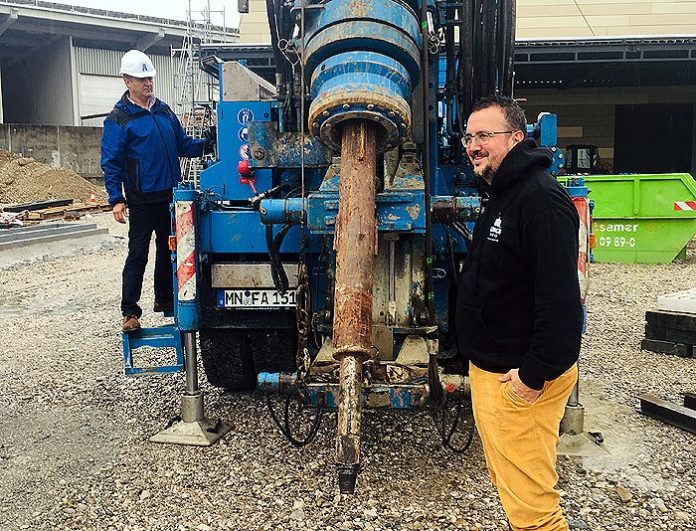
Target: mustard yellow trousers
[{"x": 519, "y": 442}]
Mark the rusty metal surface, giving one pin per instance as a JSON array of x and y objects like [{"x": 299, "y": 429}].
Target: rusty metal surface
[
  {"x": 349, "y": 411},
  {"x": 270, "y": 148},
  {"x": 356, "y": 245},
  {"x": 355, "y": 241},
  {"x": 393, "y": 123}
]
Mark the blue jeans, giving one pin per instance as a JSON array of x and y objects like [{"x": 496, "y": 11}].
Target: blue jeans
[{"x": 144, "y": 219}]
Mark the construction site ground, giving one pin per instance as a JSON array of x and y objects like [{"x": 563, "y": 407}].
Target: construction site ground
[
  {"x": 23, "y": 179},
  {"x": 74, "y": 450}
]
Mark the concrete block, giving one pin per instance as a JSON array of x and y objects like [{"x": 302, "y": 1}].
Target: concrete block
[{"x": 682, "y": 301}]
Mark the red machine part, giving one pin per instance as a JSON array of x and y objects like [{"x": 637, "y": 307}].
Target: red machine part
[
  {"x": 582, "y": 204},
  {"x": 246, "y": 174}
]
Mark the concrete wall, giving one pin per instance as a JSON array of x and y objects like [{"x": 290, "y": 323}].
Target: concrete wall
[
  {"x": 76, "y": 148},
  {"x": 586, "y": 116},
  {"x": 39, "y": 88}
]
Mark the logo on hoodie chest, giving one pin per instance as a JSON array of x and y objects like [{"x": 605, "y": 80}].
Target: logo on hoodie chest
[{"x": 496, "y": 230}]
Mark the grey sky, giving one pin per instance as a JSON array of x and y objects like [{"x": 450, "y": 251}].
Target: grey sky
[{"x": 174, "y": 9}]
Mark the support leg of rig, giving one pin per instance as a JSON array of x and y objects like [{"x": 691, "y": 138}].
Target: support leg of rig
[
  {"x": 574, "y": 440},
  {"x": 355, "y": 245},
  {"x": 193, "y": 428}
]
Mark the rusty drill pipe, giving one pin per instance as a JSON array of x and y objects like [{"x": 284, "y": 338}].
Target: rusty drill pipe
[{"x": 355, "y": 245}]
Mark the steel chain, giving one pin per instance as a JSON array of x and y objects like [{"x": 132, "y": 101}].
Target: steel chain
[{"x": 303, "y": 315}]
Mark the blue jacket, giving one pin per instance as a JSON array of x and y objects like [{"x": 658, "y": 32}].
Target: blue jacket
[{"x": 140, "y": 152}]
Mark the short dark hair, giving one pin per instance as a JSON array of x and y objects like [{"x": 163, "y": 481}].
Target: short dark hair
[{"x": 514, "y": 115}]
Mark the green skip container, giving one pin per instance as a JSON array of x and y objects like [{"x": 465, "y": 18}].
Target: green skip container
[{"x": 642, "y": 219}]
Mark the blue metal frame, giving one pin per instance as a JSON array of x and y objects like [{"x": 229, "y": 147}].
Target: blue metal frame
[
  {"x": 360, "y": 63},
  {"x": 159, "y": 337}
]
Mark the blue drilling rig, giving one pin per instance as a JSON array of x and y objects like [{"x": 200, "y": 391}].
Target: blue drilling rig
[{"x": 317, "y": 257}]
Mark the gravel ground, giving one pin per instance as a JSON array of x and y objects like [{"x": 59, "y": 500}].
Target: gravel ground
[{"x": 74, "y": 452}]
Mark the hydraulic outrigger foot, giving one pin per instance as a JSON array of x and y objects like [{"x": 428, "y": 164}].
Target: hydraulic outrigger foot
[
  {"x": 192, "y": 428},
  {"x": 574, "y": 440}
]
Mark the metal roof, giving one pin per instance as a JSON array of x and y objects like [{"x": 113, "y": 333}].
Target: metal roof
[
  {"x": 621, "y": 62},
  {"x": 26, "y": 25}
]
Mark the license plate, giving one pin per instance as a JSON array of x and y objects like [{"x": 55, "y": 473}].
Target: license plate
[{"x": 255, "y": 298}]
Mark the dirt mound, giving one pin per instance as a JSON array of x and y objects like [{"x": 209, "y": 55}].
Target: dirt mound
[{"x": 23, "y": 180}]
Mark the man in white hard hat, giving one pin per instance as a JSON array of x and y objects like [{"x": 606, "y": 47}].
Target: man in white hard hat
[{"x": 141, "y": 145}]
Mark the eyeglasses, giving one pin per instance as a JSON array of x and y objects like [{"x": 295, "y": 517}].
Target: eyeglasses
[{"x": 483, "y": 137}]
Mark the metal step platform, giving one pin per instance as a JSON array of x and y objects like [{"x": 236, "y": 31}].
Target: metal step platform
[{"x": 157, "y": 337}]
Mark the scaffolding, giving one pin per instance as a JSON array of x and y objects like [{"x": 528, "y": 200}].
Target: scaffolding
[{"x": 195, "y": 90}]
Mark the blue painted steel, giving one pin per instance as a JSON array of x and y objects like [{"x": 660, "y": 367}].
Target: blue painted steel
[
  {"x": 336, "y": 28},
  {"x": 160, "y": 337},
  {"x": 400, "y": 398},
  {"x": 237, "y": 231},
  {"x": 362, "y": 85},
  {"x": 545, "y": 130},
  {"x": 221, "y": 180},
  {"x": 326, "y": 397},
  {"x": 576, "y": 187},
  {"x": 382, "y": 396},
  {"x": 281, "y": 211},
  {"x": 268, "y": 380},
  {"x": 362, "y": 58},
  {"x": 271, "y": 149},
  {"x": 400, "y": 211},
  {"x": 188, "y": 313},
  {"x": 397, "y": 211},
  {"x": 364, "y": 37},
  {"x": 442, "y": 235}
]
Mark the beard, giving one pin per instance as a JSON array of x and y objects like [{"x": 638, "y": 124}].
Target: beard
[{"x": 486, "y": 174}]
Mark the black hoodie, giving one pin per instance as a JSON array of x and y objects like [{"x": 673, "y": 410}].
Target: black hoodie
[{"x": 519, "y": 296}]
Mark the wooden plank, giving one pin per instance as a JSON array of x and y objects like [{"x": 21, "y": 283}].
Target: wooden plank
[
  {"x": 667, "y": 347},
  {"x": 38, "y": 205},
  {"x": 690, "y": 400},
  {"x": 68, "y": 212},
  {"x": 676, "y": 415},
  {"x": 688, "y": 337},
  {"x": 679, "y": 321}
]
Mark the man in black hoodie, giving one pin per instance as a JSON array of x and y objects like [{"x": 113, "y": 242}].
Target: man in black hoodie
[{"x": 519, "y": 316}]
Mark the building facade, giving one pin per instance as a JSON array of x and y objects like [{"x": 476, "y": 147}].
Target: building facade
[
  {"x": 620, "y": 74},
  {"x": 59, "y": 64}
]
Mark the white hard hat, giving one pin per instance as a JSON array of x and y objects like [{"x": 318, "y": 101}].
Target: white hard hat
[{"x": 135, "y": 63}]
